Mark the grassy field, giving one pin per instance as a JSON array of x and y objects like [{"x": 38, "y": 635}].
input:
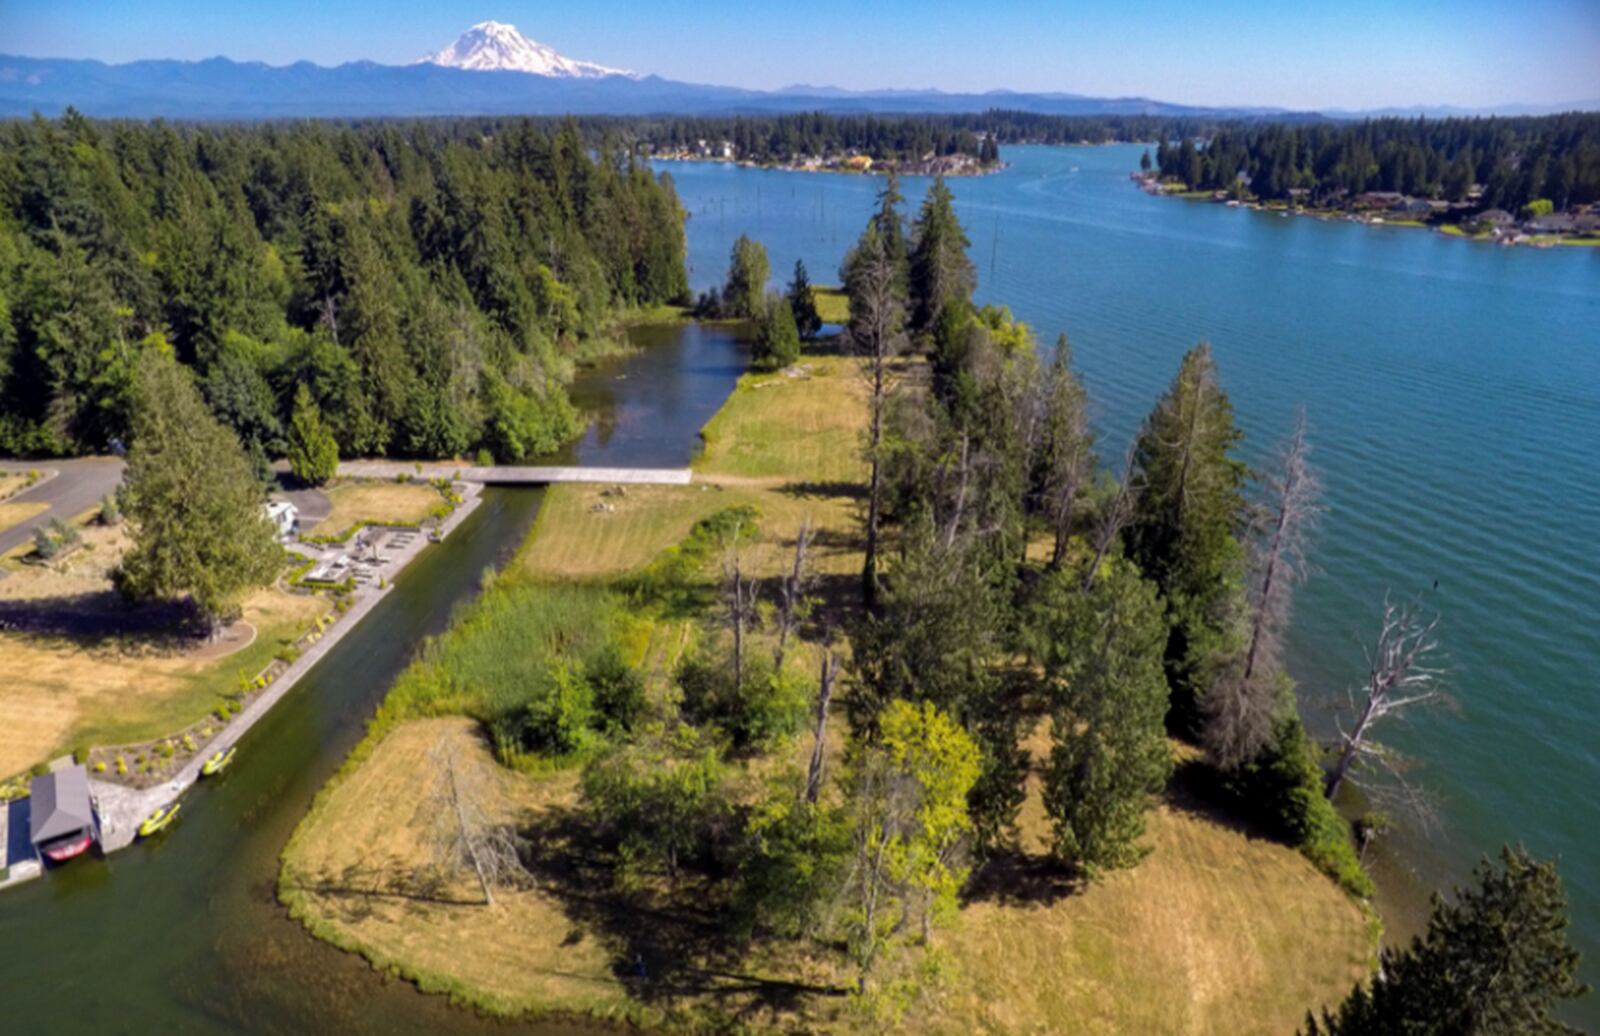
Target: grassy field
[
  {"x": 784, "y": 444},
  {"x": 76, "y": 684},
  {"x": 1217, "y": 930},
  {"x": 14, "y": 514},
  {"x": 376, "y": 503},
  {"x": 347, "y": 867},
  {"x": 1179, "y": 944},
  {"x": 833, "y": 305}
]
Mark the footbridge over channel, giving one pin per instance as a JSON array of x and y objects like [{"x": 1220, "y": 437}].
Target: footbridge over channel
[{"x": 515, "y": 475}]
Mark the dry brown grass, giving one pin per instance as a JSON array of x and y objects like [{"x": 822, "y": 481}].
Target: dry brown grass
[
  {"x": 12, "y": 482},
  {"x": 1214, "y": 931},
  {"x": 15, "y": 514},
  {"x": 359, "y": 854},
  {"x": 403, "y": 503},
  {"x": 61, "y": 691}
]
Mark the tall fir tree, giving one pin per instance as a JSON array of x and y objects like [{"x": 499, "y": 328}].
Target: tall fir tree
[
  {"x": 192, "y": 501},
  {"x": 876, "y": 333},
  {"x": 313, "y": 452},
  {"x": 940, "y": 271},
  {"x": 803, "y": 302},
  {"x": 1183, "y": 533},
  {"x": 1495, "y": 962},
  {"x": 1098, "y": 650}
]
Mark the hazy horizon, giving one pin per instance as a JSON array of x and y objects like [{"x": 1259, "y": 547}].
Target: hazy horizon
[{"x": 1419, "y": 53}]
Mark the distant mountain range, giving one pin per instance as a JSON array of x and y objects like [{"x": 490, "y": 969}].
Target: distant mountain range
[{"x": 492, "y": 69}]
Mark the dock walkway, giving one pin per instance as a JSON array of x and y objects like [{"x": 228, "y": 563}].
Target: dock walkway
[
  {"x": 122, "y": 809},
  {"x": 517, "y": 475}
]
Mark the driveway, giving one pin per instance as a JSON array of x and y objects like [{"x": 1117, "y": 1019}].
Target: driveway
[{"x": 79, "y": 484}]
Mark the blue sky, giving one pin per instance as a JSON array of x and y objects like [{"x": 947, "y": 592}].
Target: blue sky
[{"x": 1292, "y": 53}]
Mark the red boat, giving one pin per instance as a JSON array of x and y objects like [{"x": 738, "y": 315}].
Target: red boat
[
  {"x": 61, "y": 814},
  {"x": 67, "y": 848}
]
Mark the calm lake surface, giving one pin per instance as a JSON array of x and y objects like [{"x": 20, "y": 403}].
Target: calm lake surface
[{"x": 1453, "y": 395}]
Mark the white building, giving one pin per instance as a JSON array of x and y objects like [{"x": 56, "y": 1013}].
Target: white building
[{"x": 285, "y": 518}]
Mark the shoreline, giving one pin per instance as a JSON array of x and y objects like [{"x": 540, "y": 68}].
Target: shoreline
[
  {"x": 790, "y": 167},
  {"x": 120, "y": 809},
  {"x": 1449, "y": 230}
]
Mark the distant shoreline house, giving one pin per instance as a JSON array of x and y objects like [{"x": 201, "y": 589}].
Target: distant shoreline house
[{"x": 61, "y": 814}]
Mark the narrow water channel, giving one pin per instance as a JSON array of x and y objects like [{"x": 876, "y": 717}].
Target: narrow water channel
[{"x": 185, "y": 935}]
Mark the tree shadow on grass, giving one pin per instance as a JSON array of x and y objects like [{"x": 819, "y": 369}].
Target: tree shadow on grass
[
  {"x": 1015, "y": 878},
  {"x": 835, "y": 489},
  {"x": 668, "y": 941},
  {"x": 353, "y": 892},
  {"x": 104, "y": 619},
  {"x": 1197, "y": 788}
]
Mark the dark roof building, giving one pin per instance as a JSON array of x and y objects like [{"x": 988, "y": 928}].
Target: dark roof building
[{"x": 59, "y": 808}]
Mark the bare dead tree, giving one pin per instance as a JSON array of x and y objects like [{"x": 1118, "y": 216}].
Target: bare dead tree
[
  {"x": 1243, "y": 706},
  {"x": 877, "y": 335},
  {"x": 329, "y": 317},
  {"x": 1399, "y": 677},
  {"x": 793, "y": 603},
  {"x": 830, "y": 671},
  {"x": 465, "y": 837},
  {"x": 1063, "y": 442},
  {"x": 1117, "y": 514}
]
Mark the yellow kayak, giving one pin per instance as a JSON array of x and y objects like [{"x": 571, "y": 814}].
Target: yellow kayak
[
  {"x": 218, "y": 762},
  {"x": 158, "y": 820}
]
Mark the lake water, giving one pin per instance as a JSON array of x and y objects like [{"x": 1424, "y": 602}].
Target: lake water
[{"x": 1453, "y": 395}]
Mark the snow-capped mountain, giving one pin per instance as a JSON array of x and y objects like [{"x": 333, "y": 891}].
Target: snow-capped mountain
[{"x": 496, "y": 46}]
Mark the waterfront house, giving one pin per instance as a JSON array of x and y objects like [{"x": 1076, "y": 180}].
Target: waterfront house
[
  {"x": 1379, "y": 199},
  {"x": 60, "y": 815},
  {"x": 1553, "y": 223}
]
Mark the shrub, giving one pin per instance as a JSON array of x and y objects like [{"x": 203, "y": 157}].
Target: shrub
[
  {"x": 619, "y": 694},
  {"x": 44, "y": 544},
  {"x": 110, "y": 511},
  {"x": 755, "y": 712},
  {"x": 485, "y": 459},
  {"x": 65, "y": 534},
  {"x": 660, "y": 804},
  {"x": 1283, "y": 789},
  {"x": 558, "y": 719},
  {"x": 777, "y": 343}
]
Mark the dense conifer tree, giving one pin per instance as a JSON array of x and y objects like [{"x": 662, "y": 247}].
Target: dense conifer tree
[
  {"x": 1495, "y": 961},
  {"x": 777, "y": 343},
  {"x": 803, "y": 302},
  {"x": 1099, "y": 652},
  {"x": 313, "y": 453},
  {"x": 941, "y": 273},
  {"x": 192, "y": 501},
  {"x": 1183, "y": 531}
]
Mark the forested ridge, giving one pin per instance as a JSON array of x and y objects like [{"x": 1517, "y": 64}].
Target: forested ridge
[
  {"x": 431, "y": 283},
  {"x": 1515, "y": 161}
]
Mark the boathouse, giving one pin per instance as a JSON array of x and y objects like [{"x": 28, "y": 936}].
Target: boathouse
[{"x": 60, "y": 815}]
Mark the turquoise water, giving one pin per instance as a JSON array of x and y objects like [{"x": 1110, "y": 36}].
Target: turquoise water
[{"x": 1453, "y": 394}]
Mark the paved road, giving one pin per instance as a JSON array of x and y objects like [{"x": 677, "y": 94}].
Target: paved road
[{"x": 78, "y": 485}]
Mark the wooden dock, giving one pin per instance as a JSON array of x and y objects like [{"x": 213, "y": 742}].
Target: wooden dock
[{"x": 517, "y": 475}]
